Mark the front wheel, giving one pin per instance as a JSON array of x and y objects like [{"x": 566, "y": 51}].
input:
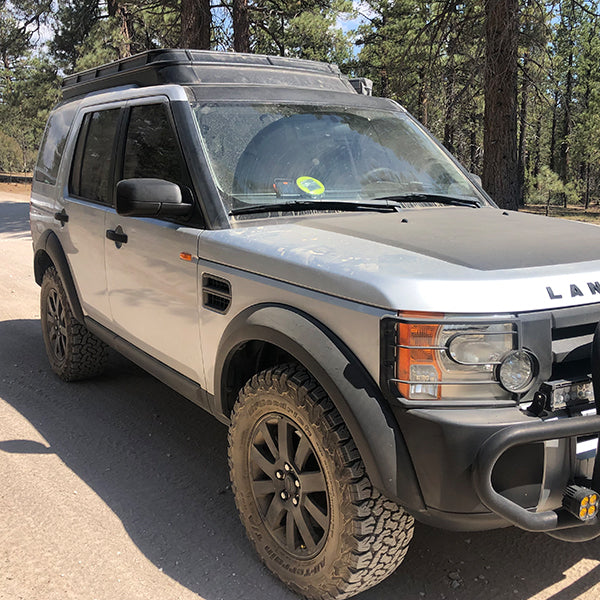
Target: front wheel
[{"x": 302, "y": 492}]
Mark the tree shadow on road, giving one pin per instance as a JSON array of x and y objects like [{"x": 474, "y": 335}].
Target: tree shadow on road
[
  {"x": 14, "y": 219},
  {"x": 160, "y": 463}
]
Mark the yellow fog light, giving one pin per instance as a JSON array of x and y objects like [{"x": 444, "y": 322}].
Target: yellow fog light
[{"x": 581, "y": 502}]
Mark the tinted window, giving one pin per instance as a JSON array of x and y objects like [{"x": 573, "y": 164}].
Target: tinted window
[
  {"x": 152, "y": 149},
  {"x": 91, "y": 167},
  {"x": 53, "y": 143}
]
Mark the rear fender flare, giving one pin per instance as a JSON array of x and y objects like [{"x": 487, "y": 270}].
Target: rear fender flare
[{"x": 49, "y": 247}]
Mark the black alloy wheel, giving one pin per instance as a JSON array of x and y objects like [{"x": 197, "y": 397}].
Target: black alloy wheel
[
  {"x": 302, "y": 491},
  {"x": 56, "y": 325},
  {"x": 289, "y": 486},
  {"x": 73, "y": 352}
]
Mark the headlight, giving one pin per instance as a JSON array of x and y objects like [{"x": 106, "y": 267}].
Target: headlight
[
  {"x": 463, "y": 358},
  {"x": 484, "y": 347}
]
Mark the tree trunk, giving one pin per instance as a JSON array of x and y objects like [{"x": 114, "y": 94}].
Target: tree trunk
[
  {"x": 566, "y": 132},
  {"x": 116, "y": 8},
  {"x": 522, "y": 156},
  {"x": 473, "y": 166},
  {"x": 450, "y": 101},
  {"x": 423, "y": 99},
  {"x": 553, "y": 133},
  {"x": 587, "y": 185},
  {"x": 500, "y": 167},
  {"x": 537, "y": 156},
  {"x": 196, "y": 23},
  {"x": 241, "y": 26}
]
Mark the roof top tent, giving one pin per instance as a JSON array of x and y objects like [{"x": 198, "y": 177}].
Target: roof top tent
[{"x": 193, "y": 67}]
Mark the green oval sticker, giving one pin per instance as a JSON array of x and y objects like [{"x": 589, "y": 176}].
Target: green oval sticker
[{"x": 310, "y": 185}]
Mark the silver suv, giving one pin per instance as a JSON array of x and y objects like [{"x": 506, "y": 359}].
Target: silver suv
[{"x": 309, "y": 266}]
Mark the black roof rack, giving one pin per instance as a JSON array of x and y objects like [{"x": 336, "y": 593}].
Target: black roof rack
[{"x": 156, "y": 67}]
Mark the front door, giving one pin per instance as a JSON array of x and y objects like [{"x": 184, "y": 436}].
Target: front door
[{"x": 152, "y": 283}]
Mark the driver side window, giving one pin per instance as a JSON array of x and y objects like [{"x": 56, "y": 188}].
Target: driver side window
[{"x": 152, "y": 148}]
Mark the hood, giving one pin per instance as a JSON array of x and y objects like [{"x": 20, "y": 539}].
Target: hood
[{"x": 450, "y": 259}]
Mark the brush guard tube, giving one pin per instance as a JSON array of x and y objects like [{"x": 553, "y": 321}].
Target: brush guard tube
[
  {"x": 558, "y": 523},
  {"x": 515, "y": 435}
]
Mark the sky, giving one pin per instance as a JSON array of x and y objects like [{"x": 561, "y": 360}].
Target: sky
[{"x": 349, "y": 22}]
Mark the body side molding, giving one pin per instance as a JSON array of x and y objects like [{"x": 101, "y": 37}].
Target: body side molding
[{"x": 180, "y": 383}]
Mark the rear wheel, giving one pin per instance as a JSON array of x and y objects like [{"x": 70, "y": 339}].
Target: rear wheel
[
  {"x": 74, "y": 353},
  {"x": 302, "y": 491}
]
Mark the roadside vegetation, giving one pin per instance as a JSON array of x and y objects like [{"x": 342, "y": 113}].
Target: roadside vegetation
[{"x": 511, "y": 87}]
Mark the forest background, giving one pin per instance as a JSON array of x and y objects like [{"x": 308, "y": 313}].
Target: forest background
[{"x": 519, "y": 79}]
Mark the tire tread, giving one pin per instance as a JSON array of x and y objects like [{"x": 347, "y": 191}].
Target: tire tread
[
  {"x": 379, "y": 532},
  {"x": 87, "y": 355}
]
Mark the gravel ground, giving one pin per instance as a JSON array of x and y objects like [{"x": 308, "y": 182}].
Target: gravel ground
[{"x": 117, "y": 489}]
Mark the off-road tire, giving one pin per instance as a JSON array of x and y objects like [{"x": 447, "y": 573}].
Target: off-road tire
[
  {"x": 74, "y": 353},
  {"x": 367, "y": 535}
]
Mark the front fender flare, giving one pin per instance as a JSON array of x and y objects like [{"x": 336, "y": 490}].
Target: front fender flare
[{"x": 348, "y": 384}]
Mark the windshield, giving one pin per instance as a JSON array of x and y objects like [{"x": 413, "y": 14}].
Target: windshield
[{"x": 272, "y": 154}]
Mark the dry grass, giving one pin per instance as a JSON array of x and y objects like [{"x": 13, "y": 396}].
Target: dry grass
[
  {"x": 575, "y": 213},
  {"x": 22, "y": 189}
]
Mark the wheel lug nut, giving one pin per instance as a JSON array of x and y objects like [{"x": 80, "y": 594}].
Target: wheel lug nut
[
  {"x": 287, "y": 467},
  {"x": 297, "y": 483},
  {"x": 295, "y": 500},
  {"x": 279, "y": 474},
  {"x": 284, "y": 495}
]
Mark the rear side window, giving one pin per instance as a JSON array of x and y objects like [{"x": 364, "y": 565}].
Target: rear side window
[
  {"x": 53, "y": 143},
  {"x": 152, "y": 148},
  {"x": 93, "y": 156}
]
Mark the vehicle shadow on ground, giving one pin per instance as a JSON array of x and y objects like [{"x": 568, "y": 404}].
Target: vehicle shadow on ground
[
  {"x": 160, "y": 463},
  {"x": 15, "y": 219}
]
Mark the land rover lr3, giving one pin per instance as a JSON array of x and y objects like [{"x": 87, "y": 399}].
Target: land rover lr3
[{"x": 308, "y": 265}]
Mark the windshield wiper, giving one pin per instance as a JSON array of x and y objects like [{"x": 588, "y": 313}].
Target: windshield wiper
[
  {"x": 424, "y": 197},
  {"x": 307, "y": 205}
]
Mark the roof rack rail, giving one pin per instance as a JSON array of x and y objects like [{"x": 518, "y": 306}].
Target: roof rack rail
[{"x": 155, "y": 67}]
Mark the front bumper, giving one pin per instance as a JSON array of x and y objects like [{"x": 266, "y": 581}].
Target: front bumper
[
  {"x": 493, "y": 465},
  {"x": 516, "y": 435},
  {"x": 488, "y": 468}
]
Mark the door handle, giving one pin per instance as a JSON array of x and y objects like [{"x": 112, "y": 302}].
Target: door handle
[
  {"x": 62, "y": 216},
  {"x": 117, "y": 236}
]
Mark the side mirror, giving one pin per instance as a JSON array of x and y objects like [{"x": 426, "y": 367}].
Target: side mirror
[
  {"x": 150, "y": 198},
  {"x": 475, "y": 179}
]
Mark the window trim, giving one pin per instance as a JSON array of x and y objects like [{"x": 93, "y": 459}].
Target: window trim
[
  {"x": 77, "y": 156},
  {"x": 197, "y": 218},
  {"x": 68, "y": 111}
]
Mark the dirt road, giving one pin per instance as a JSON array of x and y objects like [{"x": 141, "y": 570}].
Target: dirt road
[{"x": 117, "y": 489}]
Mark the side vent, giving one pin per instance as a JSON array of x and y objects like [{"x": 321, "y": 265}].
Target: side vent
[{"x": 216, "y": 293}]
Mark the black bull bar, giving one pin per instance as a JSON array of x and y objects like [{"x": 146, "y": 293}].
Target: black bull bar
[{"x": 558, "y": 523}]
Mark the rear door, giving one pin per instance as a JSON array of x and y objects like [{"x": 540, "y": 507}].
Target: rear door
[
  {"x": 87, "y": 200},
  {"x": 152, "y": 276}
]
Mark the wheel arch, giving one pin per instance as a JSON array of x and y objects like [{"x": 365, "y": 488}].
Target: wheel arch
[
  {"x": 281, "y": 333},
  {"x": 49, "y": 252}
]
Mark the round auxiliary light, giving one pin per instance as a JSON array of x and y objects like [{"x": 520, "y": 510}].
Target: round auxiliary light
[{"x": 516, "y": 371}]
